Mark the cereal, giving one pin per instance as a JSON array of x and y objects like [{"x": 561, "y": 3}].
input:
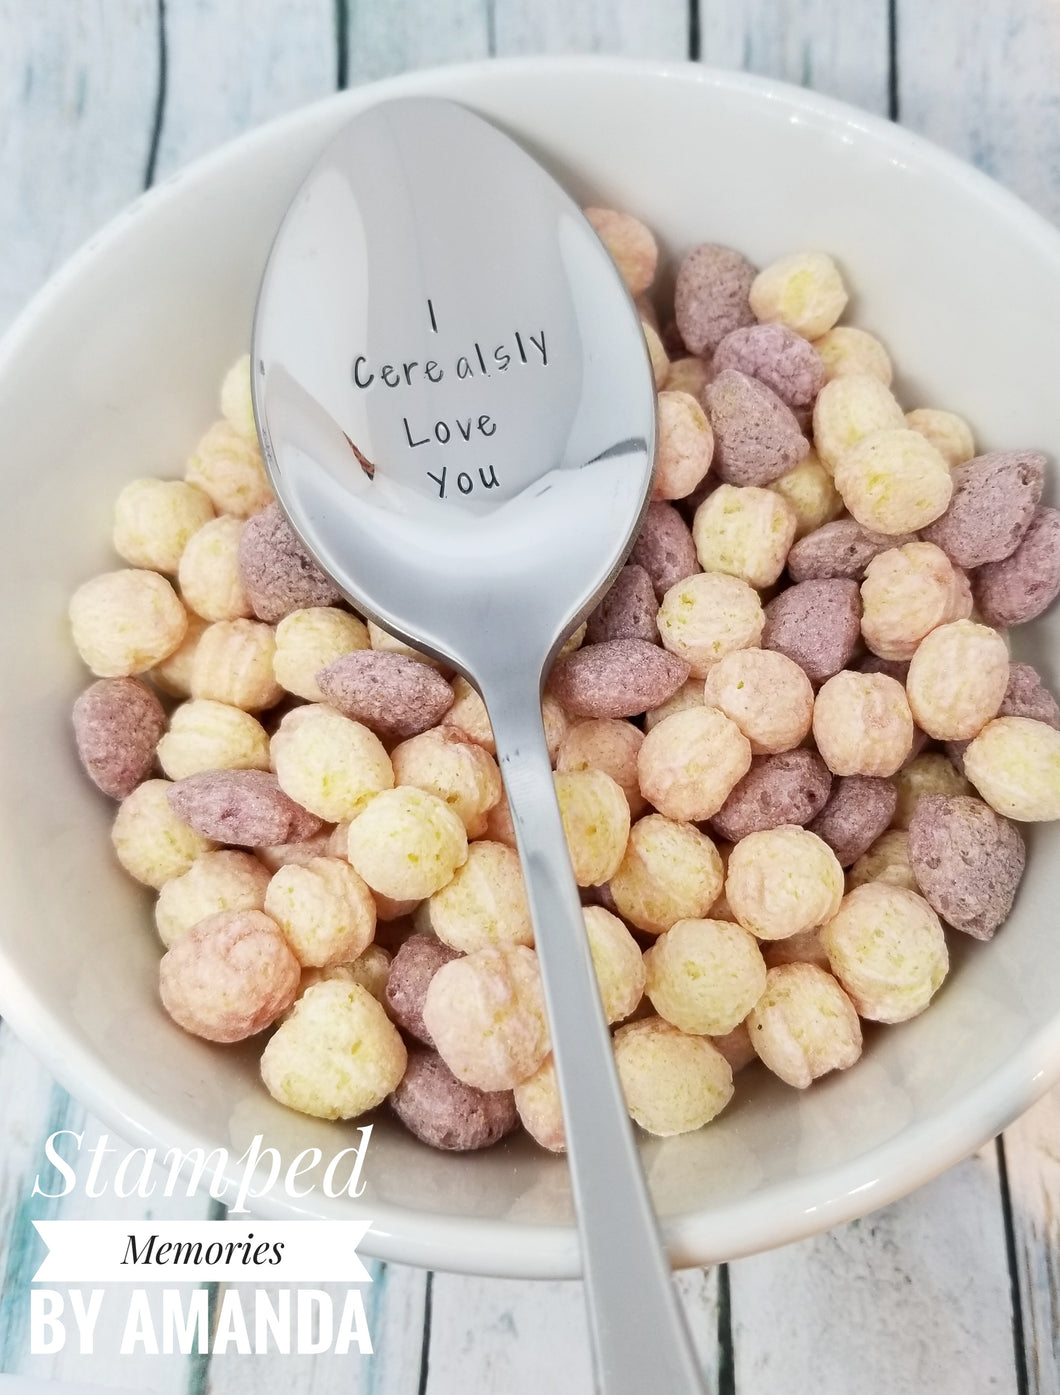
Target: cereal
[
  {"x": 1027, "y": 696},
  {"x": 783, "y": 881},
  {"x": 805, "y": 948},
  {"x": 233, "y": 664},
  {"x": 393, "y": 695},
  {"x": 690, "y": 694},
  {"x": 620, "y": 678},
  {"x": 444, "y": 1112},
  {"x": 756, "y": 437},
  {"x": 804, "y": 1025},
  {"x": 206, "y": 735},
  {"x": 485, "y": 903},
  {"x": 929, "y": 774},
  {"x": 673, "y": 1083},
  {"x": 117, "y": 725},
  {"x": 670, "y": 871},
  {"x": 309, "y": 640},
  {"x": 844, "y": 350},
  {"x": 848, "y": 409},
  {"x": 660, "y": 364},
  {"x": 330, "y": 765},
  {"x": 842, "y": 548},
  {"x": 371, "y": 969},
  {"x": 776, "y": 356},
  {"x": 817, "y": 624},
  {"x": 227, "y": 466},
  {"x": 766, "y": 694},
  {"x": 407, "y": 843},
  {"x": 711, "y": 296},
  {"x": 684, "y": 445},
  {"x": 468, "y": 715},
  {"x": 859, "y": 809},
  {"x": 708, "y": 616},
  {"x": 278, "y": 574},
  {"x": 617, "y": 962},
  {"x": 893, "y": 481},
  {"x": 172, "y": 675},
  {"x": 887, "y": 949},
  {"x": 967, "y": 861},
  {"x": 385, "y": 643},
  {"x": 862, "y": 724},
  {"x": 705, "y": 976},
  {"x": 462, "y": 774},
  {"x": 499, "y": 825},
  {"x": 1019, "y": 588},
  {"x": 153, "y": 520},
  {"x": 886, "y": 861},
  {"x": 414, "y": 965},
  {"x": 1014, "y": 763},
  {"x": 325, "y": 910},
  {"x": 540, "y": 1110},
  {"x": 948, "y": 433},
  {"x": 237, "y": 404},
  {"x": 208, "y": 574},
  {"x": 336, "y": 1056},
  {"x": 606, "y": 744},
  {"x": 596, "y": 821},
  {"x": 994, "y": 499},
  {"x": 574, "y": 640},
  {"x": 690, "y": 762},
  {"x": 957, "y": 679},
  {"x": 789, "y": 788},
  {"x": 803, "y": 291},
  {"x": 627, "y": 611},
  {"x": 813, "y": 497},
  {"x": 631, "y": 245},
  {"x": 151, "y": 839},
  {"x": 215, "y": 882},
  {"x": 664, "y": 547},
  {"x": 689, "y": 375},
  {"x": 125, "y": 622},
  {"x": 320, "y": 844},
  {"x": 244, "y": 807},
  {"x": 744, "y": 532},
  {"x": 907, "y": 592}
]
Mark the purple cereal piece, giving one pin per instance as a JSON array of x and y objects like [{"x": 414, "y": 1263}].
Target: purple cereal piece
[
  {"x": 393, "y": 694},
  {"x": 664, "y": 548},
  {"x": 859, "y": 809},
  {"x": 411, "y": 970},
  {"x": 787, "y": 363},
  {"x": 898, "y": 669},
  {"x": 791, "y": 787},
  {"x": 840, "y": 549},
  {"x": 817, "y": 624},
  {"x": 278, "y": 575},
  {"x": 670, "y": 338},
  {"x": 620, "y": 678},
  {"x": 955, "y": 753},
  {"x": 244, "y": 807},
  {"x": 1019, "y": 588},
  {"x": 756, "y": 437},
  {"x": 117, "y": 725},
  {"x": 967, "y": 861},
  {"x": 711, "y": 296},
  {"x": 1027, "y": 696},
  {"x": 993, "y": 502},
  {"x": 444, "y": 1112},
  {"x": 627, "y": 611}
]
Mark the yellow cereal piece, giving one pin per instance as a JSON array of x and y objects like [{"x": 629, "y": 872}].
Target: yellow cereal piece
[
  {"x": 606, "y": 744},
  {"x": 690, "y": 694},
  {"x": 215, "y": 882},
  {"x": 573, "y": 640},
  {"x": 458, "y": 771},
  {"x": 324, "y": 908},
  {"x": 848, "y": 409},
  {"x": 688, "y": 375},
  {"x": 670, "y": 872},
  {"x": 744, "y": 532},
  {"x": 673, "y": 1083},
  {"x": 862, "y": 724},
  {"x": 150, "y": 839},
  {"x": 691, "y": 761},
  {"x": 538, "y": 1105},
  {"x": 228, "y": 467},
  {"x": 948, "y": 433},
  {"x": 485, "y": 903},
  {"x": 207, "y": 735},
  {"x": 336, "y": 1056},
  {"x": 906, "y": 593},
  {"x": 660, "y": 363},
  {"x": 707, "y": 616},
  {"x": 957, "y": 680},
  {"x": 804, "y": 1025},
  {"x": 329, "y": 764},
  {"x": 153, "y": 520},
  {"x": 618, "y": 962},
  {"x": 237, "y": 406},
  {"x": 783, "y": 881},
  {"x": 369, "y": 969},
  {"x": 845, "y": 350},
  {"x": 468, "y": 715},
  {"x": 386, "y": 643},
  {"x": 766, "y": 694},
  {"x": 705, "y": 976},
  {"x": 930, "y": 773},
  {"x": 887, "y": 949},
  {"x": 407, "y": 844},
  {"x": 596, "y": 821},
  {"x": 684, "y": 445},
  {"x": 720, "y": 909},
  {"x": 125, "y": 622},
  {"x": 886, "y": 861},
  {"x": 1014, "y": 763},
  {"x": 556, "y": 724},
  {"x": 809, "y": 490},
  {"x": 233, "y": 664},
  {"x": 311, "y": 639},
  {"x": 631, "y": 245},
  {"x": 894, "y": 480},
  {"x": 173, "y": 675},
  {"x": 209, "y": 576},
  {"x": 803, "y": 291}
]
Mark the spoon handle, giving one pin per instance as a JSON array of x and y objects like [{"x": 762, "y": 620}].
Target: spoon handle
[{"x": 639, "y": 1336}]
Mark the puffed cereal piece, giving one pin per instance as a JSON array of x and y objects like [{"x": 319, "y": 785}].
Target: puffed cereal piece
[
  {"x": 907, "y": 592},
  {"x": 859, "y": 809},
  {"x": 336, "y": 1056},
  {"x": 789, "y": 788},
  {"x": 994, "y": 499},
  {"x": 153, "y": 520},
  {"x": 237, "y": 403},
  {"x": 233, "y": 664},
  {"x": 813, "y": 497},
  {"x": 125, "y": 622},
  {"x": 630, "y": 244},
  {"x": 673, "y": 1082},
  {"x": 627, "y": 610},
  {"x": 117, "y": 725},
  {"x": 205, "y": 735},
  {"x": 786, "y": 362},
  {"x": 385, "y": 643},
  {"x": 842, "y": 548},
  {"x": 803, "y": 290},
  {"x": 462, "y": 774},
  {"x": 371, "y": 969},
  {"x": 862, "y": 724},
  {"x": 325, "y": 910},
  {"x": 929, "y": 774},
  {"x": 486, "y": 1014},
  {"x": 328, "y": 763},
  {"x": 499, "y": 825},
  {"x": 173, "y": 675},
  {"x": 447, "y": 1114},
  {"x": 310, "y": 639},
  {"x": 706, "y": 617},
  {"x": 690, "y": 762},
  {"x": 1027, "y": 696},
  {"x": 684, "y": 445},
  {"x": 845, "y": 350},
  {"x": 660, "y": 364},
  {"x": 416, "y": 962},
  {"x": 228, "y": 467},
  {"x": 485, "y": 903},
  {"x": 215, "y": 882},
  {"x": 209, "y": 576},
  {"x": 1014, "y": 763},
  {"x": 948, "y": 433},
  {"x": 848, "y": 409},
  {"x": 757, "y": 437},
  {"x": 968, "y": 862},
  {"x": 796, "y": 949},
  {"x": 229, "y": 977},
  {"x": 670, "y": 871},
  {"x": 407, "y": 844},
  {"x": 689, "y": 375},
  {"x": 894, "y": 481},
  {"x": 804, "y": 1025},
  {"x": 887, "y": 860},
  {"x": 888, "y": 951},
  {"x": 766, "y": 694},
  {"x": 278, "y": 575},
  {"x": 244, "y": 807},
  {"x": 393, "y": 695},
  {"x": 606, "y": 744},
  {"x": 540, "y": 1110},
  {"x": 816, "y": 624},
  {"x": 711, "y": 296},
  {"x": 596, "y": 821},
  {"x": 615, "y": 679},
  {"x": 152, "y": 842},
  {"x": 617, "y": 962},
  {"x": 736, "y": 1047},
  {"x": 468, "y": 715},
  {"x": 744, "y": 532},
  {"x": 689, "y": 694},
  {"x": 1021, "y": 586},
  {"x": 664, "y": 547},
  {"x": 957, "y": 680},
  {"x": 783, "y": 881},
  {"x": 705, "y": 976},
  {"x": 320, "y": 844}
]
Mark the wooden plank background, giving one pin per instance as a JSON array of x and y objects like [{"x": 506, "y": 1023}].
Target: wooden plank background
[{"x": 954, "y": 1289}]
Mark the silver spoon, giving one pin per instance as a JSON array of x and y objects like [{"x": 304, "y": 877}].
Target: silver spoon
[{"x": 457, "y": 411}]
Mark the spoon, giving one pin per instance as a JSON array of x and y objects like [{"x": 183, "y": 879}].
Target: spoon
[{"x": 457, "y": 411}]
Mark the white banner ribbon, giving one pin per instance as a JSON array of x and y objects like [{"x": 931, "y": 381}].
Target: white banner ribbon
[{"x": 173, "y": 1252}]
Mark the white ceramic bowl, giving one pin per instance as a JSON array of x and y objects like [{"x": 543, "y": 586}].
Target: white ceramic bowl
[{"x": 113, "y": 373}]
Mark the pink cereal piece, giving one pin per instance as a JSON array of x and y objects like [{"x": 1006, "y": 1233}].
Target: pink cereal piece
[
  {"x": 620, "y": 678},
  {"x": 630, "y": 243},
  {"x": 789, "y": 788},
  {"x": 392, "y": 694},
  {"x": 627, "y": 611},
  {"x": 967, "y": 860},
  {"x": 840, "y": 549},
  {"x": 756, "y": 437},
  {"x": 817, "y": 624},
  {"x": 414, "y": 965},
  {"x": 117, "y": 725},
  {"x": 244, "y": 807},
  {"x": 278, "y": 574},
  {"x": 1027, "y": 696},
  {"x": 664, "y": 547},
  {"x": 711, "y": 296},
  {"x": 859, "y": 809},
  {"x": 1020, "y": 587},
  {"x": 993, "y": 502},
  {"x": 229, "y": 977},
  {"x": 444, "y": 1112},
  {"x": 787, "y": 363}
]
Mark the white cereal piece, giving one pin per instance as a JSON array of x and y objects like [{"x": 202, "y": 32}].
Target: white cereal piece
[
  {"x": 153, "y": 520},
  {"x": 673, "y": 1082},
  {"x": 216, "y": 881},
  {"x": 150, "y": 839},
  {"x": 690, "y": 762},
  {"x": 849, "y": 408},
  {"x": 660, "y": 363},
  {"x": 596, "y": 821},
  {"x": 206, "y": 735},
  {"x": 684, "y": 446},
  {"x": 329, "y": 764},
  {"x": 804, "y": 1025},
  {"x": 458, "y": 771},
  {"x": 336, "y": 1056},
  {"x": 607, "y": 744},
  {"x": 862, "y": 724},
  {"x": 125, "y": 622},
  {"x": 485, "y": 903},
  {"x": 689, "y": 694},
  {"x": 705, "y": 976},
  {"x": 809, "y": 490},
  {"x": 468, "y": 715},
  {"x": 1014, "y": 763},
  {"x": 886, "y": 861},
  {"x": 407, "y": 844},
  {"x": 538, "y": 1105},
  {"x": 948, "y": 433},
  {"x": 311, "y": 639},
  {"x": 907, "y": 592},
  {"x": 228, "y": 467},
  {"x": 209, "y": 577},
  {"x": 894, "y": 481},
  {"x": 957, "y": 680},
  {"x": 325, "y": 910},
  {"x": 804, "y": 291},
  {"x": 670, "y": 872},
  {"x": 707, "y": 616},
  {"x": 618, "y": 962},
  {"x": 237, "y": 406},
  {"x": 370, "y": 969},
  {"x": 745, "y": 532},
  {"x": 631, "y": 245},
  {"x": 233, "y": 664},
  {"x": 173, "y": 675},
  {"x": 930, "y": 773},
  {"x": 887, "y": 949},
  {"x": 783, "y": 881},
  {"x": 845, "y": 350},
  {"x": 766, "y": 694}
]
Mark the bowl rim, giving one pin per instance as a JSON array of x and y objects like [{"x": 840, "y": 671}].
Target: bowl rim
[{"x": 788, "y": 1211}]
